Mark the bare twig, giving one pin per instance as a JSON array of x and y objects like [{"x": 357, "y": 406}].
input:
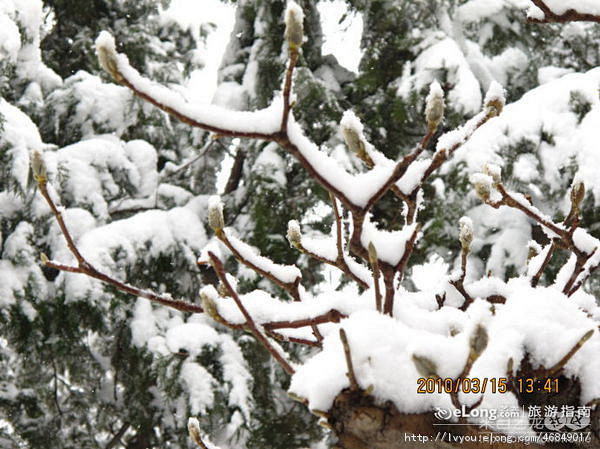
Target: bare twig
[
  {"x": 536, "y": 277},
  {"x": 290, "y": 287},
  {"x": 333, "y": 316},
  {"x": 351, "y": 375},
  {"x": 376, "y": 275},
  {"x": 562, "y": 362},
  {"x": 260, "y": 336}
]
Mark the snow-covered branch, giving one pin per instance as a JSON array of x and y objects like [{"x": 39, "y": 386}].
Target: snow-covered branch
[
  {"x": 584, "y": 247},
  {"x": 546, "y": 11},
  {"x": 83, "y": 266}
]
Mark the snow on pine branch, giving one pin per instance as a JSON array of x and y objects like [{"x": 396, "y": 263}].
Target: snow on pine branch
[{"x": 570, "y": 136}]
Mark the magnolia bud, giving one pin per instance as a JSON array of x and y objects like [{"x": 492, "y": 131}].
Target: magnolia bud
[
  {"x": 222, "y": 290},
  {"x": 38, "y": 166},
  {"x": 494, "y": 171},
  {"x": 465, "y": 233},
  {"x": 294, "y": 28},
  {"x": 425, "y": 367},
  {"x": 210, "y": 307},
  {"x": 434, "y": 108},
  {"x": 494, "y": 100},
  {"x": 294, "y": 235},
  {"x": 215, "y": 214},
  {"x": 44, "y": 259},
  {"x": 483, "y": 185},
  {"x": 478, "y": 341},
  {"x": 194, "y": 430},
  {"x": 351, "y": 129},
  {"x": 373, "y": 260},
  {"x": 107, "y": 54},
  {"x": 577, "y": 193}
]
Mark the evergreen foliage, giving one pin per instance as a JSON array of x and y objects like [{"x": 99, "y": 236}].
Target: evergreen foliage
[{"x": 82, "y": 363}]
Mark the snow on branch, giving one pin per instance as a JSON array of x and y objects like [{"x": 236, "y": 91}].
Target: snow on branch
[
  {"x": 545, "y": 11},
  {"x": 584, "y": 247},
  {"x": 260, "y": 124},
  {"x": 83, "y": 266}
]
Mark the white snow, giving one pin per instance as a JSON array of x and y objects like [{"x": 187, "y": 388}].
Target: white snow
[
  {"x": 265, "y": 121},
  {"x": 285, "y": 273},
  {"x": 342, "y": 31},
  {"x": 547, "y": 108},
  {"x": 382, "y": 348},
  {"x": 445, "y": 55},
  {"x": 390, "y": 245},
  {"x": 21, "y": 136},
  {"x": 560, "y": 7}
]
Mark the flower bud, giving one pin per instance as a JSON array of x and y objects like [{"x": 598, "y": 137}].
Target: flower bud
[
  {"x": 373, "y": 260},
  {"x": 294, "y": 28},
  {"x": 494, "y": 100},
  {"x": 425, "y": 366},
  {"x": 215, "y": 214},
  {"x": 38, "y": 166},
  {"x": 194, "y": 430},
  {"x": 577, "y": 194},
  {"x": 494, "y": 171},
  {"x": 294, "y": 235},
  {"x": 483, "y": 185},
  {"x": 434, "y": 108},
  {"x": 107, "y": 54},
  {"x": 210, "y": 307},
  {"x": 478, "y": 341},
  {"x": 465, "y": 233},
  {"x": 351, "y": 129}
]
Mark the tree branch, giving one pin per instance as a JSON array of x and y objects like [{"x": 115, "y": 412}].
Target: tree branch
[
  {"x": 84, "y": 267},
  {"x": 351, "y": 375},
  {"x": 260, "y": 336},
  {"x": 570, "y": 15}
]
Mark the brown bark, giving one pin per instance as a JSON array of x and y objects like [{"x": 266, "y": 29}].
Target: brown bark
[{"x": 359, "y": 422}]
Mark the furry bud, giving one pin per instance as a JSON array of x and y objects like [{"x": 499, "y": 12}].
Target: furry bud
[
  {"x": 425, "y": 367},
  {"x": 494, "y": 100},
  {"x": 210, "y": 307},
  {"x": 294, "y": 28},
  {"x": 373, "y": 260},
  {"x": 465, "y": 233},
  {"x": 434, "y": 108},
  {"x": 478, "y": 341},
  {"x": 577, "y": 193},
  {"x": 351, "y": 129},
  {"x": 483, "y": 185},
  {"x": 294, "y": 235},
  {"x": 107, "y": 54},
  {"x": 38, "y": 166},
  {"x": 194, "y": 430},
  {"x": 215, "y": 214},
  {"x": 494, "y": 171}
]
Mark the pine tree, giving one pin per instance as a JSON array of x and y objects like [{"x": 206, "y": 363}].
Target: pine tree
[{"x": 136, "y": 207}]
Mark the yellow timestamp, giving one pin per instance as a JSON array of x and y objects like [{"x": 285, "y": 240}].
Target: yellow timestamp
[{"x": 519, "y": 385}]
